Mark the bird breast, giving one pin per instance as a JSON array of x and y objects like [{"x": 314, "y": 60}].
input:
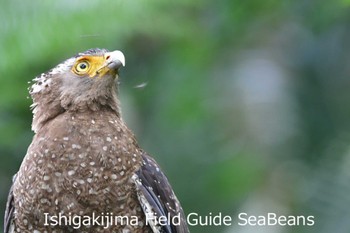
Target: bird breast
[{"x": 79, "y": 165}]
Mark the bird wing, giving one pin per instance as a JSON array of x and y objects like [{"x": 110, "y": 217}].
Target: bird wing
[
  {"x": 10, "y": 208},
  {"x": 157, "y": 199}
]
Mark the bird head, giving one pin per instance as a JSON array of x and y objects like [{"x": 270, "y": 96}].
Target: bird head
[{"x": 84, "y": 82}]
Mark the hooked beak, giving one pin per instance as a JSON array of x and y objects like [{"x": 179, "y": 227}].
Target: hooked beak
[{"x": 114, "y": 60}]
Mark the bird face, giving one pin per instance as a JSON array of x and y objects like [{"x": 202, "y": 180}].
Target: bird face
[
  {"x": 83, "y": 82},
  {"x": 98, "y": 65}
]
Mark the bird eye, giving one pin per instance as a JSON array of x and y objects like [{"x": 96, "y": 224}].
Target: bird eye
[{"x": 82, "y": 67}]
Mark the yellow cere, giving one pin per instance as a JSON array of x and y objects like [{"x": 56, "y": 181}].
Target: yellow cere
[{"x": 91, "y": 66}]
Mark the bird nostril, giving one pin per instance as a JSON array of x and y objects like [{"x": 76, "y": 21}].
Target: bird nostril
[{"x": 108, "y": 57}]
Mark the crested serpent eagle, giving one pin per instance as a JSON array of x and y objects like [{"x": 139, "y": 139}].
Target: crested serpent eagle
[{"x": 84, "y": 171}]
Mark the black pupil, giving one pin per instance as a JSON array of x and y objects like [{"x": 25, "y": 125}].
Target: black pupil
[{"x": 83, "y": 66}]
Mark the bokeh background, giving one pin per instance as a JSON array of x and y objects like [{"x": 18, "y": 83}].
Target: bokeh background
[{"x": 244, "y": 103}]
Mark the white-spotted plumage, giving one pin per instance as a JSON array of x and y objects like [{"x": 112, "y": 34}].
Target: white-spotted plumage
[{"x": 44, "y": 80}]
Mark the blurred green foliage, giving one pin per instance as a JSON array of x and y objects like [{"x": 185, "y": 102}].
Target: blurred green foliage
[{"x": 246, "y": 102}]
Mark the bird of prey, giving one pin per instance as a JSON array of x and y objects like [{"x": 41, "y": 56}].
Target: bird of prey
[{"x": 84, "y": 171}]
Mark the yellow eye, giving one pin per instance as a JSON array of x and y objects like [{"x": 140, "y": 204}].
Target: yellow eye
[{"x": 82, "y": 67}]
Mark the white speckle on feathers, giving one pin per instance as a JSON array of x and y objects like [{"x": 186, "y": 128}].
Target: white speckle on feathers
[{"x": 71, "y": 172}]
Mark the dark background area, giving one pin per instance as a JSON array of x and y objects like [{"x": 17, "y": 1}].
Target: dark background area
[{"x": 245, "y": 104}]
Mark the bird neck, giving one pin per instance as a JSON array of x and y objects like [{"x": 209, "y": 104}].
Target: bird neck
[{"x": 49, "y": 108}]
